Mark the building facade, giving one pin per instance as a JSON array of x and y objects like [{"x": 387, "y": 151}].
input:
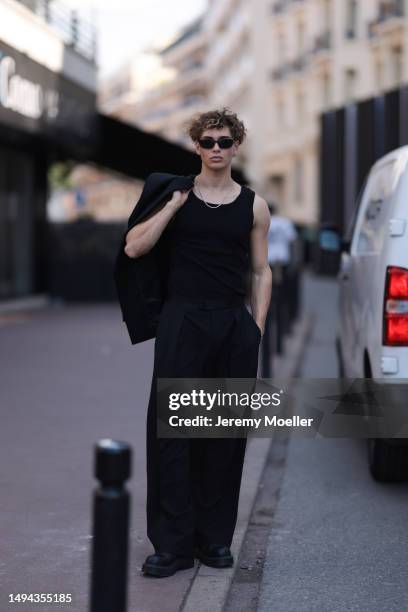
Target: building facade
[
  {"x": 280, "y": 64},
  {"x": 325, "y": 54},
  {"x": 47, "y": 101},
  {"x": 160, "y": 91}
]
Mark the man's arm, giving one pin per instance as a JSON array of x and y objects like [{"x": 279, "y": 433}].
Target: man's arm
[
  {"x": 143, "y": 236},
  {"x": 261, "y": 275}
]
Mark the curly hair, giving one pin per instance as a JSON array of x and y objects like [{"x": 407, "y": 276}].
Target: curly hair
[{"x": 216, "y": 119}]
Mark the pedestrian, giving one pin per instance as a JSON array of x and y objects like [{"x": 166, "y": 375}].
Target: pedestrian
[
  {"x": 282, "y": 234},
  {"x": 217, "y": 237}
]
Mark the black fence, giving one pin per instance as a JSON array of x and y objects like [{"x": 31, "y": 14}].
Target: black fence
[
  {"x": 284, "y": 307},
  {"x": 80, "y": 262},
  {"x": 352, "y": 139},
  {"x": 76, "y": 31}
]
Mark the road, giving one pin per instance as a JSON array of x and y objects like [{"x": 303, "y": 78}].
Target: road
[{"x": 339, "y": 540}]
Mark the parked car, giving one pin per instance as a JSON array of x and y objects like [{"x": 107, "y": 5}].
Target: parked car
[{"x": 372, "y": 333}]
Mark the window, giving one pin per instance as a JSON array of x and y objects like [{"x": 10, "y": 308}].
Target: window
[
  {"x": 350, "y": 84},
  {"x": 280, "y": 113},
  {"x": 397, "y": 64},
  {"x": 326, "y": 91},
  {"x": 281, "y": 49},
  {"x": 301, "y": 37},
  {"x": 379, "y": 75},
  {"x": 351, "y": 18},
  {"x": 327, "y": 13},
  {"x": 298, "y": 180},
  {"x": 372, "y": 227},
  {"x": 300, "y": 104},
  {"x": 349, "y": 233}
]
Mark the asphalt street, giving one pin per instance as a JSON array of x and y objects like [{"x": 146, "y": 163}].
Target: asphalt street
[{"x": 339, "y": 540}]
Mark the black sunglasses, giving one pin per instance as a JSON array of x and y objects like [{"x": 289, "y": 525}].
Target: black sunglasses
[{"x": 224, "y": 142}]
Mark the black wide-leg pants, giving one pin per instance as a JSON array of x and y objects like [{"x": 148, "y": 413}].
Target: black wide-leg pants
[{"x": 193, "y": 484}]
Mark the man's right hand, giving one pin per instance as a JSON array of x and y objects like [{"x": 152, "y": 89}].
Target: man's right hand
[
  {"x": 141, "y": 238},
  {"x": 178, "y": 198}
]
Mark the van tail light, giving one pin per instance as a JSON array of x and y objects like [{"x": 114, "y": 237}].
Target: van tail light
[{"x": 395, "y": 313}]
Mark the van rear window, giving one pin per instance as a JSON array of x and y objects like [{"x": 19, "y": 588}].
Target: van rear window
[{"x": 381, "y": 186}]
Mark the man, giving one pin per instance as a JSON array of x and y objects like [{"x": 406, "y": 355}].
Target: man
[
  {"x": 217, "y": 233},
  {"x": 282, "y": 234}
]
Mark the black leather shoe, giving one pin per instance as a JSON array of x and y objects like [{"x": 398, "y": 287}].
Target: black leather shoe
[
  {"x": 163, "y": 564},
  {"x": 215, "y": 556}
]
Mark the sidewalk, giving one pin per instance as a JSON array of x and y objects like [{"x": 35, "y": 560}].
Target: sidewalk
[
  {"x": 280, "y": 586},
  {"x": 337, "y": 539},
  {"x": 69, "y": 378}
]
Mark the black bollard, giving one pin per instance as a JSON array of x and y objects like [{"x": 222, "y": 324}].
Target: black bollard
[
  {"x": 111, "y": 506},
  {"x": 267, "y": 345},
  {"x": 277, "y": 306},
  {"x": 279, "y": 320}
]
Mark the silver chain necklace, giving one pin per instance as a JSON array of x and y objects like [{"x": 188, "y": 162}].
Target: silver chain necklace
[{"x": 210, "y": 204}]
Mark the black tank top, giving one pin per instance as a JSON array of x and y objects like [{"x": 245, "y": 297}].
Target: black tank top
[{"x": 209, "y": 248}]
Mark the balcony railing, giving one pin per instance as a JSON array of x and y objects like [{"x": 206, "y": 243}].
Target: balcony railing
[
  {"x": 387, "y": 10},
  {"x": 281, "y": 72},
  {"x": 76, "y": 33},
  {"x": 280, "y": 6},
  {"x": 300, "y": 62},
  {"x": 350, "y": 33},
  {"x": 372, "y": 31},
  {"x": 392, "y": 8},
  {"x": 323, "y": 41},
  {"x": 296, "y": 65}
]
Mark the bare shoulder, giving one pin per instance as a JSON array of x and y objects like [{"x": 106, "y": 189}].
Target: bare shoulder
[{"x": 262, "y": 215}]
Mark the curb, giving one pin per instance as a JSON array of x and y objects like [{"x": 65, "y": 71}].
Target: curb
[
  {"x": 24, "y": 304},
  {"x": 210, "y": 587}
]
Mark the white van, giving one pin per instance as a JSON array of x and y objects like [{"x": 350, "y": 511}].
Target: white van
[{"x": 372, "y": 333}]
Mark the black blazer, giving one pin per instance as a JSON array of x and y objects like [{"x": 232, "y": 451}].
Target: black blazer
[{"x": 141, "y": 281}]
